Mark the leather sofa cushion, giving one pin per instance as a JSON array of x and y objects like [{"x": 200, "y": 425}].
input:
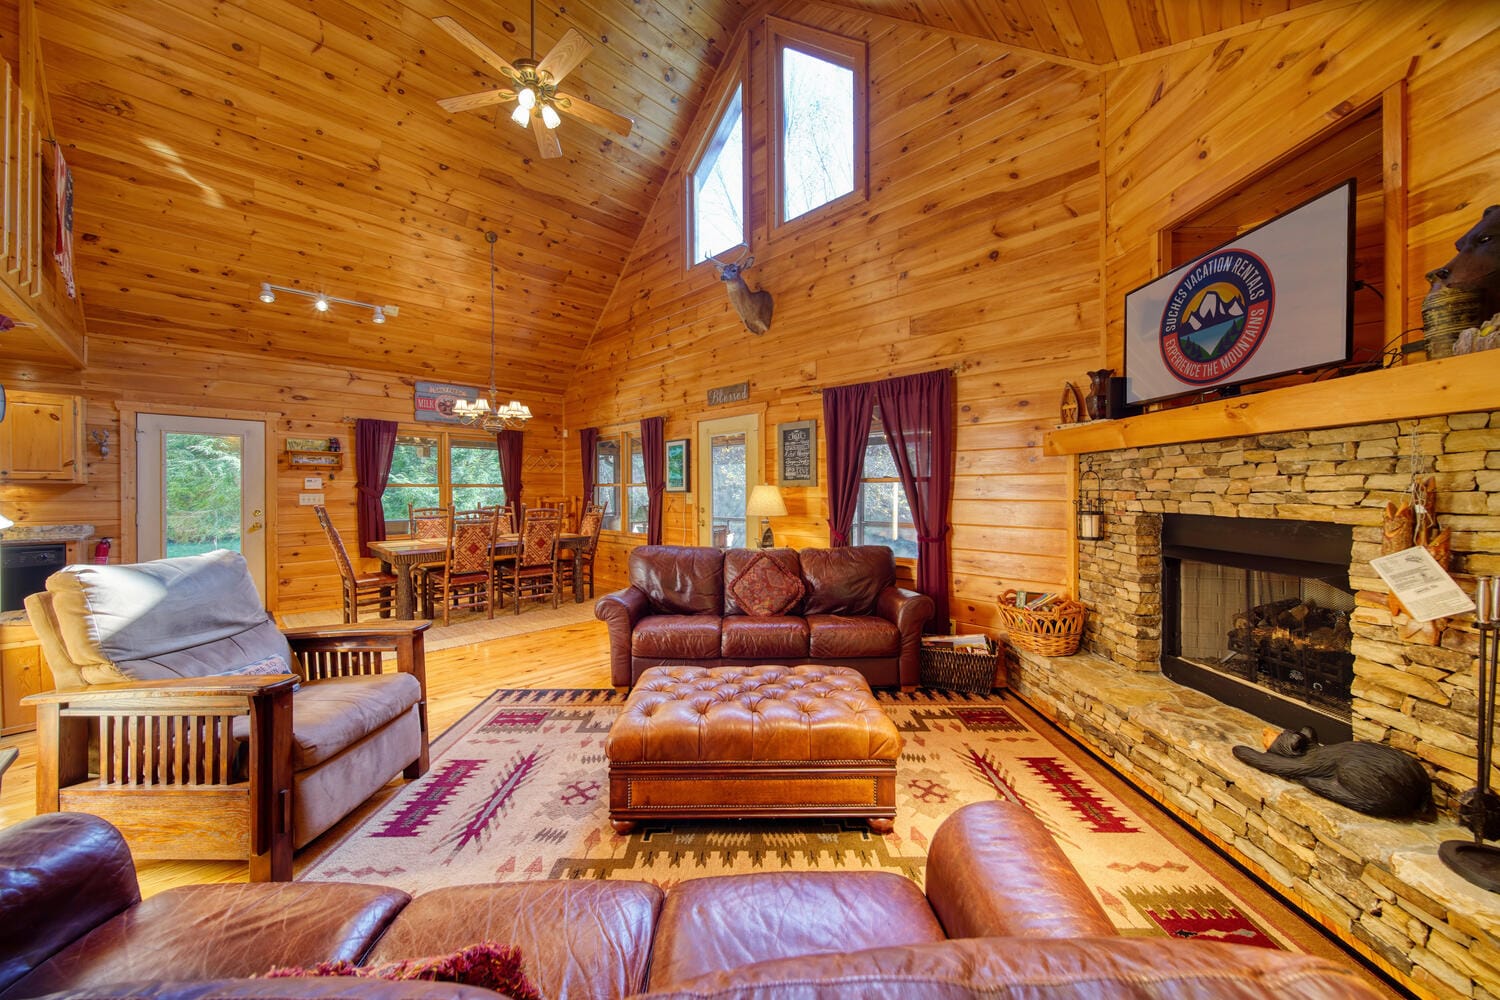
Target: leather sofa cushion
[
  {"x": 329, "y": 716},
  {"x": 583, "y": 939},
  {"x": 762, "y": 582},
  {"x": 718, "y": 924},
  {"x": 303, "y": 988},
  {"x": 679, "y": 579},
  {"x": 1058, "y": 969},
  {"x": 846, "y": 581},
  {"x": 189, "y": 616},
  {"x": 677, "y": 637},
  {"x": 746, "y": 637},
  {"x": 752, "y": 713},
  {"x": 221, "y": 931},
  {"x": 837, "y": 637}
]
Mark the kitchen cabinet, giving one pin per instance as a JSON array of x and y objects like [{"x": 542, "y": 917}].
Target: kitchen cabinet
[
  {"x": 41, "y": 439},
  {"x": 23, "y": 671}
]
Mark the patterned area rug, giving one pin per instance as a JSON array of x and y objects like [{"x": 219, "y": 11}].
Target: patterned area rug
[{"x": 518, "y": 790}]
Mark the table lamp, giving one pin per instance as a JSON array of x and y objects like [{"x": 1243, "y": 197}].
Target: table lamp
[{"x": 765, "y": 502}]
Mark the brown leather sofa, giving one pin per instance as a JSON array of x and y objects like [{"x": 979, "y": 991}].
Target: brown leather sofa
[
  {"x": 738, "y": 607},
  {"x": 73, "y": 924}
]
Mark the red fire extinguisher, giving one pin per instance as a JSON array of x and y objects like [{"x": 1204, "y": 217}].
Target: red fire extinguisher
[{"x": 101, "y": 551}]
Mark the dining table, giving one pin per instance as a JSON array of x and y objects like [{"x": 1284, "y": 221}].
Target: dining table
[{"x": 399, "y": 555}]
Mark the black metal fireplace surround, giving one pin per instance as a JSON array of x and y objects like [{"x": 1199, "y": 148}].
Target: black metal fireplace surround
[{"x": 1255, "y": 613}]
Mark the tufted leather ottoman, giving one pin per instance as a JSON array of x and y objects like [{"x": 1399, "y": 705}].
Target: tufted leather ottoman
[{"x": 752, "y": 741}]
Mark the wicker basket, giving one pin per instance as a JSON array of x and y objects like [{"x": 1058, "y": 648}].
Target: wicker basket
[
  {"x": 971, "y": 670},
  {"x": 1051, "y": 631}
]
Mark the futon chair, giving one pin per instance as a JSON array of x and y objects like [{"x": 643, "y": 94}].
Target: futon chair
[{"x": 187, "y": 719}]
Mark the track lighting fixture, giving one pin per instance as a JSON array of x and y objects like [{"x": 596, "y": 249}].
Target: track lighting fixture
[{"x": 323, "y": 302}]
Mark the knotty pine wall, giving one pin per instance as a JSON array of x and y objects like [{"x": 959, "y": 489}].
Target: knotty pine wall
[
  {"x": 1184, "y": 127},
  {"x": 978, "y": 249},
  {"x": 296, "y": 400}
]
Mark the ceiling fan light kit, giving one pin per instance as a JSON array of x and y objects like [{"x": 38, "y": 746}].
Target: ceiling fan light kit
[
  {"x": 322, "y": 302},
  {"x": 533, "y": 86}
]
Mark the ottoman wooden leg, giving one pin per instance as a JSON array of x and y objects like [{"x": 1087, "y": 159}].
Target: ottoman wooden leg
[
  {"x": 622, "y": 826},
  {"x": 882, "y": 826}
]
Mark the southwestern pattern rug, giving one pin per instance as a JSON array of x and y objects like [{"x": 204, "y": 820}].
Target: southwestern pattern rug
[{"x": 518, "y": 790}]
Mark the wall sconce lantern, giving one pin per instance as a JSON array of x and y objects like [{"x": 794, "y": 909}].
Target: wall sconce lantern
[{"x": 1090, "y": 507}]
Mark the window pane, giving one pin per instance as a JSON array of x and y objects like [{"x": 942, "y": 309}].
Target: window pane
[
  {"x": 637, "y": 462},
  {"x": 394, "y": 501},
  {"x": 638, "y": 509},
  {"x": 201, "y": 493},
  {"x": 885, "y": 519},
  {"x": 469, "y": 497},
  {"x": 474, "y": 462},
  {"x": 607, "y": 461},
  {"x": 727, "y": 515},
  {"x": 609, "y": 497},
  {"x": 817, "y": 100},
  {"x": 719, "y": 187},
  {"x": 415, "y": 460}
]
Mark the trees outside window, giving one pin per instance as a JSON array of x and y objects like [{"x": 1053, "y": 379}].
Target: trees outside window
[
  {"x": 883, "y": 516},
  {"x": 716, "y": 192},
  {"x": 439, "y": 469},
  {"x": 607, "y": 479}
]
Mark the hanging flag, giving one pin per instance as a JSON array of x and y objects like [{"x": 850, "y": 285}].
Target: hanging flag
[{"x": 63, "y": 251}]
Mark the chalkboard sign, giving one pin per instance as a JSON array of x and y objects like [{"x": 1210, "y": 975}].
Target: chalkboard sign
[{"x": 797, "y": 453}]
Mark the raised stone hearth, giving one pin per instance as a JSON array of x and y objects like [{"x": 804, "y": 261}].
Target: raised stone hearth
[{"x": 1377, "y": 883}]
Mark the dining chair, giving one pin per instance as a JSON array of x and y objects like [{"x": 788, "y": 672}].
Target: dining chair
[
  {"x": 368, "y": 590},
  {"x": 466, "y": 578},
  {"x": 431, "y": 523},
  {"x": 588, "y": 526},
  {"x": 533, "y": 574},
  {"x": 501, "y": 514}
]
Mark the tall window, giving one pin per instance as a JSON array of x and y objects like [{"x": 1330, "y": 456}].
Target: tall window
[
  {"x": 716, "y": 191},
  {"x": 620, "y": 482},
  {"x": 818, "y": 120},
  {"x": 883, "y": 516},
  {"x": 438, "y": 469}
]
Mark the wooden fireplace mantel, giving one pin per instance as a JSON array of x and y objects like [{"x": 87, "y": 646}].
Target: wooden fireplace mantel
[{"x": 1460, "y": 384}]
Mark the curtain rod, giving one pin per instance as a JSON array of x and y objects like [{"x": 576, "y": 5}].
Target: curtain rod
[{"x": 955, "y": 368}]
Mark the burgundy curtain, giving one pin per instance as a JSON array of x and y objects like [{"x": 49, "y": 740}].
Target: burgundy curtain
[
  {"x": 917, "y": 414},
  {"x": 511, "y": 445},
  {"x": 654, "y": 454},
  {"x": 846, "y": 428},
  {"x": 588, "y": 438},
  {"x": 374, "y": 444}
]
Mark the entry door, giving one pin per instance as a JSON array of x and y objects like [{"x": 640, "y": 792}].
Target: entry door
[
  {"x": 729, "y": 458},
  {"x": 201, "y": 485}
]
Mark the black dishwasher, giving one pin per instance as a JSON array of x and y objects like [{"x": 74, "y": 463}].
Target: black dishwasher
[{"x": 24, "y": 568}]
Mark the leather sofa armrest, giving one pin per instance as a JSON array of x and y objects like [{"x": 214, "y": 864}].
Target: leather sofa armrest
[
  {"x": 620, "y": 611},
  {"x": 909, "y": 611},
  {"x": 993, "y": 870},
  {"x": 61, "y": 875}
]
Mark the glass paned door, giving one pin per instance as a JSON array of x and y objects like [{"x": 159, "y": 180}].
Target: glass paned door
[
  {"x": 201, "y": 486},
  {"x": 729, "y": 460}
]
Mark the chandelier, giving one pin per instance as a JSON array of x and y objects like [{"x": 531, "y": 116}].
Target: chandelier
[{"x": 487, "y": 413}]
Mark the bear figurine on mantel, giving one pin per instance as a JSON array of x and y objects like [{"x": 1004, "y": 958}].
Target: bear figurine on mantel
[{"x": 1371, "y": 778}]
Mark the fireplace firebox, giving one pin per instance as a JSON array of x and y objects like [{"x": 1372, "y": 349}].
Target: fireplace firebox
[{"x": 1255, "y": 612}]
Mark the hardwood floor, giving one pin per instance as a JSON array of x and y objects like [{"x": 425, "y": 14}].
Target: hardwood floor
[{"x": 574, "y": 656}]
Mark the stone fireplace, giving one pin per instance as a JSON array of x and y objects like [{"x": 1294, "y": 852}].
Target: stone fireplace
[{"x": 1376, "y": 883}]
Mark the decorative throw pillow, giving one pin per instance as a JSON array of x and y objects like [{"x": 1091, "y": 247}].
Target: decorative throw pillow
[
  {"x": 490, "y": 966},
  {"x": 765, "y": 587}
]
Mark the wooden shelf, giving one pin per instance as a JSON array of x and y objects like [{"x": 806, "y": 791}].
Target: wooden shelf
[
  {"x": 315, "y": 459},
  {"x": 1460, "y": 384}
]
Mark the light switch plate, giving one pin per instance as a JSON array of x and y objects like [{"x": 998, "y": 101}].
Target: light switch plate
[
  {"x": 309, "y": 499},
  {"x": 312, "y": 482}
]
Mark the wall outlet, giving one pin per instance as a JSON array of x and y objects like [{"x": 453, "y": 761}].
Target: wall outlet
[
  {"x": 309, "y": 499},
  {"x": 312, "y": 482}
]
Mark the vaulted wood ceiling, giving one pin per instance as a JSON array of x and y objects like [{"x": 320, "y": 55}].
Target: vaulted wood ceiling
[{"x": 216, "y": 146}]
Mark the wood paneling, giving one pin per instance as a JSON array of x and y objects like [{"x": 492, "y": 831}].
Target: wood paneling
[
  {"x": 297, "y": 399},
  {"x": 976, "y": 250}
]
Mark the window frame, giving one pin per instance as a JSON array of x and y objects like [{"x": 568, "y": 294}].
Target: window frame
[
  {"x": 846, "y": 52},
  {"x": 443, "y": 439},
  {"x": 737, "y": 79},
  {"x": 628, "y": 442},
  {"x": 857, "y": 533}
]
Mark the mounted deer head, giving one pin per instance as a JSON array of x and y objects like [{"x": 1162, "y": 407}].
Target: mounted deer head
[{"x": 754, "y": 307}]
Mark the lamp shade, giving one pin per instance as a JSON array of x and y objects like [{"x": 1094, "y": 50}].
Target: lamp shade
[
  {"x": 5, "y": 522},
  {"x": 765, "y": 501}
]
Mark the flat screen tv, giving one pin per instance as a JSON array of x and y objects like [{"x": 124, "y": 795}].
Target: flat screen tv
[{"x": 1274, "y": 300}]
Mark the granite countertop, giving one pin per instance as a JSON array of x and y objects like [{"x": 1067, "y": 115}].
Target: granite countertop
[{"x": 47, "y": 533}]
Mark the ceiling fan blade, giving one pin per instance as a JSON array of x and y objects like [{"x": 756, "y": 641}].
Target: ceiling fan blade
[
  {"x": 483, "y": 99},
  {"x": 569, "y": 51},
  {"x": 470, "y": 41},
  {"x": 546, "y": 139},
  {"x": 593, "y": 114}
]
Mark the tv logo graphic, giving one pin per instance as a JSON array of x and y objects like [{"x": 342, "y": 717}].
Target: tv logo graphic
[{"x": 1217, "y": 316}]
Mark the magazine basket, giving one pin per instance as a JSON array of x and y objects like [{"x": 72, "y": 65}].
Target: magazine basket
[
  {"x": 1051, "y": 631},
  {"x": 972, "y": 670}
]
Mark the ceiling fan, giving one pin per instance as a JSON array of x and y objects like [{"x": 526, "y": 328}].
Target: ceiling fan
[{"x": 533, "y": 86}]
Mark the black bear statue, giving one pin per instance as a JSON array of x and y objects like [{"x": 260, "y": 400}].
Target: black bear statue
[{"x": 1371, "y": 778}]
